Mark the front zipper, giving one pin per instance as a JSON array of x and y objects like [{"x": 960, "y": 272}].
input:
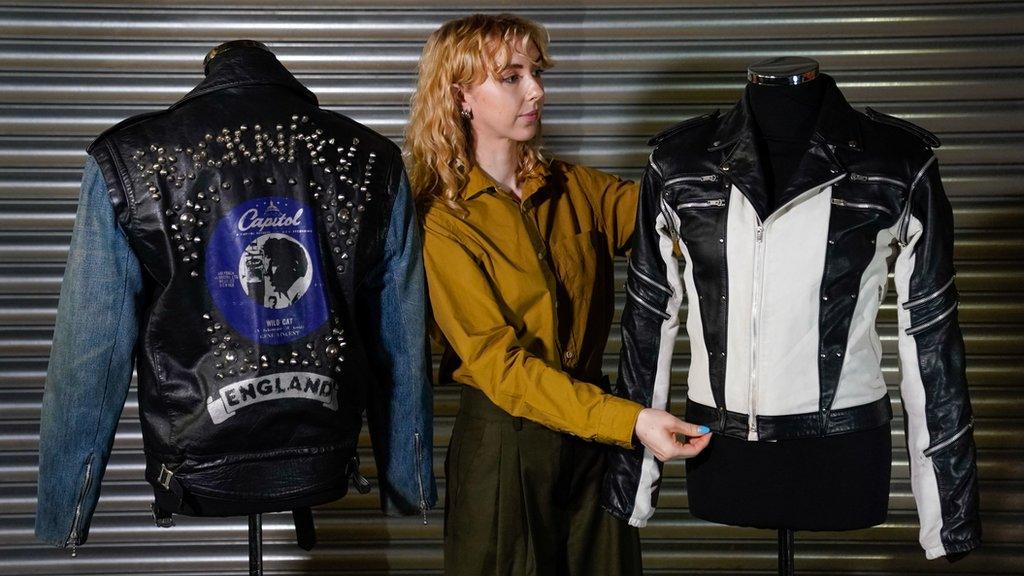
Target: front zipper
[
  {"x": 861, "y": 206},
  {"x": 691, "y": 178},
  {"x": 757, "y": 296},
  {"x": 929, "y": 451},
  {"x": 755, "y": 314},
  {"x": 73, "y": 537},
  {"x": 918, "y": 329},
  {"x": 918, "y": 301},
  {"x": 419, "y": 477},
  {"x": 864, "y": 178}
]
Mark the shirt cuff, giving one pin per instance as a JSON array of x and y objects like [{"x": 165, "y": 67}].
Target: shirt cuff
[{"x": 618, "y": 422}]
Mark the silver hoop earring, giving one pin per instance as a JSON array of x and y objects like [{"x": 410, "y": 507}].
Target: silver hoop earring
[{"x": 467, "y": 114}]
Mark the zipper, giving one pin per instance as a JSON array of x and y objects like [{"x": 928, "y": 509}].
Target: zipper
[
  {"x": 692, "y": 178},
  {"x": 861, "y": 206},
  {"x": 419, "y": 476},
  {"x": 758, "y": 295},
  {"x": 755, "y": 313},
  {"x": 73, "y": 537},
  {"x": 918, "y": 329},
  {"x": 904, "y": 228},
  {"x": 650, "y": 280},
  {"x": 929, "y": 451},
  {"x": 918, "y": 301},
  {"x": 864, "y": 178},
  {"x": 640, "y": 301},
  {"x": 716, "y": 203}
]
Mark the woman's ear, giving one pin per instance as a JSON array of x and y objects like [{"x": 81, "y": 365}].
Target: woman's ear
[{"x": 461, "y": 98}]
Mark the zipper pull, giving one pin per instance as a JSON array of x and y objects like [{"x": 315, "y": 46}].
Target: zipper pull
[
  {"x": 419, "y": 476},
  {"x": 74, "y": 550},
  {"x": 839, "y": 202},
  {"x": 709, "y": 178},
  {"x": 759, "y": 233},
  {"x": 857, "y": 177}
]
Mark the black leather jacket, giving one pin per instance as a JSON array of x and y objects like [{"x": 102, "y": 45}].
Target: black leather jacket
[
  {"x": 276, "y": 239},
  {"x": 782, "y": 305}
]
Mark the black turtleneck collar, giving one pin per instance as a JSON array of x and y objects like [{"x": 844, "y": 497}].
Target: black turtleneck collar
[{"x": 246, "y": 66}]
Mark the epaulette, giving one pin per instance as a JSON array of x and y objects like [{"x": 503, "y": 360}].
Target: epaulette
[
  {"x": 123, "y": 124},
  {"x": 689, "y": 123},
  {"x": 930, "y": 140}
]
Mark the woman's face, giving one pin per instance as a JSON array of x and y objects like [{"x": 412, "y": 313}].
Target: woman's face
[{"x": 508, "y": 107}]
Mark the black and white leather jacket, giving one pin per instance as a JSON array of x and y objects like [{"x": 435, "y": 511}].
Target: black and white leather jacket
[{"x": 782, "y": 305}]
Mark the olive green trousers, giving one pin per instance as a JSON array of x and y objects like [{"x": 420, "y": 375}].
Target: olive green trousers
[{"x": 524, "y": 500}]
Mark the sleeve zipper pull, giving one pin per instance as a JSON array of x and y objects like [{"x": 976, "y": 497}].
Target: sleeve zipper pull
[{"x": 419, "y": 476}]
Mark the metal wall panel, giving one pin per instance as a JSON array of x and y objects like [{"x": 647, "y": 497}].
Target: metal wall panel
[{"x": 625, "y": 69}]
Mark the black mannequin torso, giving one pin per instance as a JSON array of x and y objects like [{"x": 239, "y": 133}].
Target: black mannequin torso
[
  {"x": 830, "y": 483},
  {"x": 785, "y": 117}
]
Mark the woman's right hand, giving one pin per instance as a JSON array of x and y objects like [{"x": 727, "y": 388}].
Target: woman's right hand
[{"x": 657, "y": 430}]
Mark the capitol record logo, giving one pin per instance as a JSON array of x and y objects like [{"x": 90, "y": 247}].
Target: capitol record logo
[{"x": 263, "y": 270}]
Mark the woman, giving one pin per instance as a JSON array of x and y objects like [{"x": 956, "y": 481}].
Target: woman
[{"x": 518, "y": 255}]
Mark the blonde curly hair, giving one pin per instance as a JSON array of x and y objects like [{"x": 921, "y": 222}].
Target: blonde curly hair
[{"x": 438, "y": 142}]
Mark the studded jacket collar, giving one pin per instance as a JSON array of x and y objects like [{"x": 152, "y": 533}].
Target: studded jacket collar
[{"x": 246, "y": 67}]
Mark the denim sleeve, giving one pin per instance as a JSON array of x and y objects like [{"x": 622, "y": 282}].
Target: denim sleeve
[
  {"x": 400, "y": 402},
  {"x": 90, "y": 366}
]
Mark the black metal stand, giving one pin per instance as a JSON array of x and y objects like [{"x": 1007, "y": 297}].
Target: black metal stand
[
  {"x": 255, "y": 545},
  {"x": 786, "y": 567}
]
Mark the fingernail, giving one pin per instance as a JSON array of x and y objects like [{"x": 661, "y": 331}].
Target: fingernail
[{"x": 703, "y": 429}]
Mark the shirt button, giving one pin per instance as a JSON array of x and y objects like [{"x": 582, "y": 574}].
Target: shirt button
[
  {"x": 569, "y": 355},
  {"x": 540, "y": 255}
]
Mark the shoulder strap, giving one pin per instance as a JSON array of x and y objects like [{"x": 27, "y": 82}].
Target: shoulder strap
[
  {"x": 684, "y": 125},
  {"x": 929, "y": 139}
]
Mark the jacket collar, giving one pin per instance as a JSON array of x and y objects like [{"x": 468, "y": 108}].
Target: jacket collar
[
  {"x": 246, "y": 66},
  {"x": 837, "y": 127},
  {"x": 837, "y": 121}
]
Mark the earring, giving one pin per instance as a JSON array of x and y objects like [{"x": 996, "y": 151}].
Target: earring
[{"x": 467, "y": 114}]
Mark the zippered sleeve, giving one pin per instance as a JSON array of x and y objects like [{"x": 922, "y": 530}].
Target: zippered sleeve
[
  {"x": 90, "y": 367},
  {"x": 936, "y": 405},
  {"x": 400, "y": 402},
  {"x": 650, "y": 321}
]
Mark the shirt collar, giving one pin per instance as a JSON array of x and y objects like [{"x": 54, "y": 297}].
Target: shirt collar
[{"x": 480, "y": 182}]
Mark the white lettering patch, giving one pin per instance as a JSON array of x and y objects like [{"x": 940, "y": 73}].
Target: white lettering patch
[{"x": 304, "y": 385}]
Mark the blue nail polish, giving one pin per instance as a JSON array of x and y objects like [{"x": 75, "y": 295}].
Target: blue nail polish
[{"x": 703, "y": 429}]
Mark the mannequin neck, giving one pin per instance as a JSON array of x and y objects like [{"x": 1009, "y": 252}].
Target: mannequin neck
[{"x": 786, "y": 113}]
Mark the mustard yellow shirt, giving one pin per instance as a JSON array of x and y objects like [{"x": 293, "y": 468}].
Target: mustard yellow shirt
[{"x": 522, "y": 294}]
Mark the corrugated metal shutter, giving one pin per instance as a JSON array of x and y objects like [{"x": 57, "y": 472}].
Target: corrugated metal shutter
[{"x": 69, "y": 69}]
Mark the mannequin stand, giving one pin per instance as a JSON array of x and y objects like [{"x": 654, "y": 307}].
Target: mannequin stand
[
  {"x": 786, "y": 567},
  {"x": 255, "y": 544}
]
